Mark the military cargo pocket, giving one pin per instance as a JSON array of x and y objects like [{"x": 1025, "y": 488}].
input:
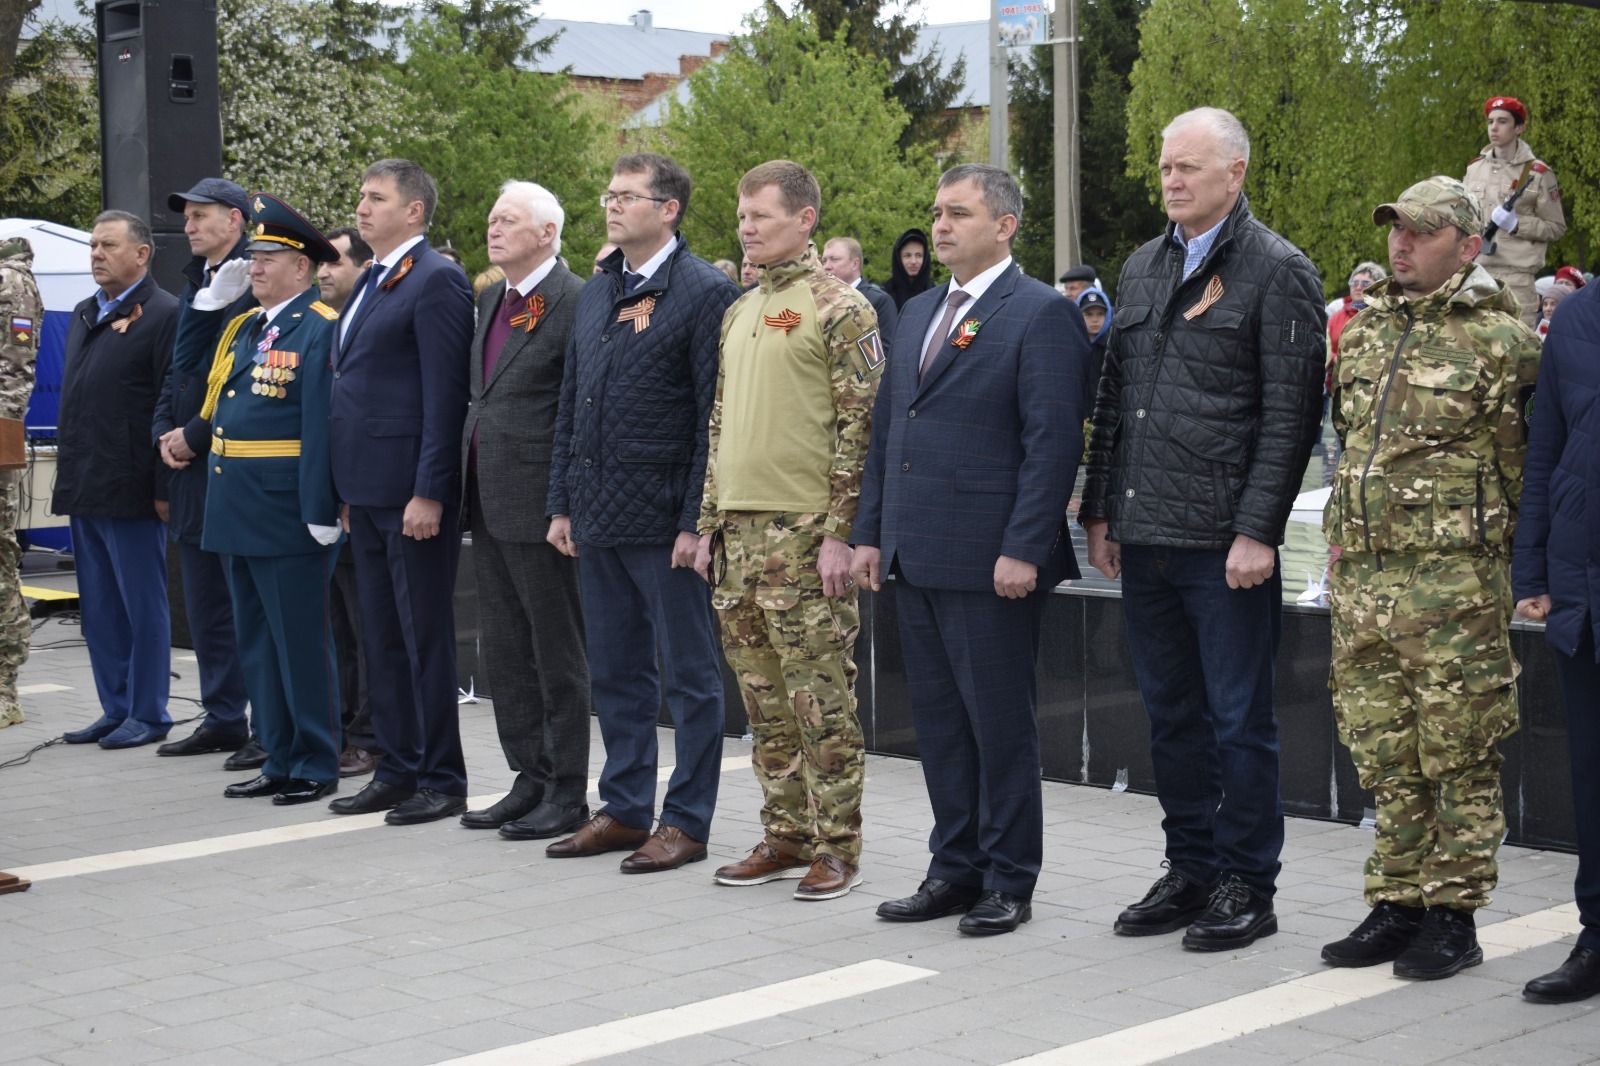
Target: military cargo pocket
[
  {"x": 1491, "y": 697},
  {"x": 1357, "y": 392},
  {"x": 1457, "y": 511},
  {"x": 1438, "y": 402}
]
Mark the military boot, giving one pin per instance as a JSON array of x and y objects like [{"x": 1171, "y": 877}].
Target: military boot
[
  {"x": 1382, "y": 936},
  {"x": 1446, "y": 944},
  {"x": 10, "y": 713}
]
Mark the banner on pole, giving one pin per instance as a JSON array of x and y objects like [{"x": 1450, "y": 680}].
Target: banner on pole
[{"x": 1022, "y": 23}]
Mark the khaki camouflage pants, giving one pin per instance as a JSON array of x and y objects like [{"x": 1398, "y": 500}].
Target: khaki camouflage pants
[
  {"x": 1521, "y": 286},
  {"x": 790, "y": 646},
  {"x": 1423, "y": 686},
  {"x": 15, "y": 627}
]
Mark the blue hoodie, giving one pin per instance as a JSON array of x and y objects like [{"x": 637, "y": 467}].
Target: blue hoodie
[{"x": 1097, "y": 344}]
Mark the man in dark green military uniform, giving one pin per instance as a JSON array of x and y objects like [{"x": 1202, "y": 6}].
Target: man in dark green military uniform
[{"x": 1432, "y": 383}]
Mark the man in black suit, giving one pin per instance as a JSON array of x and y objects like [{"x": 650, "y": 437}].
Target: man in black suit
[
  {"x": 841, "y": 257},
  {"x": 530, "y": 619},
  {"x": 399, "y": 398},
  {"x": 974, "y": 449}
]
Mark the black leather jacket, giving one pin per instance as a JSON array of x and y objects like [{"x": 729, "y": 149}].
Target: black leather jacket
[{"x": 1212, "y": 390}]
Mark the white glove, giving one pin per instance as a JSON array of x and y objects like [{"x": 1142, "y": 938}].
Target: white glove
[
  {"x": 1506, "y": 220},
  {"x": 227, "y": 285},
  {"x": 323, "y": 535}
]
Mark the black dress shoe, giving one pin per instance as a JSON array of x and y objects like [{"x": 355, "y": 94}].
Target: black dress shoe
[
  {"x": 376, "y": 796},
  {"x": 250, "y": 757},
  {"x": 1236, "y": 917},
  {"x": 1172, "y": 903},
  {"x": 256, "y": 786},
  {"x": 508, "y": 809},
  {"x": 426, "y": 806},
  {"x": 1446, "y": 944},
  {"x": 933, "y": 899},
  {"x": 996, "y": 912},
  {"x": 1577, "y": 978},
  {"x": 545, "y": 820},
  {"x": 1381, "y": 937},
  {"x": 204, "y": 741},
  {"x": 299, "y": 790}
]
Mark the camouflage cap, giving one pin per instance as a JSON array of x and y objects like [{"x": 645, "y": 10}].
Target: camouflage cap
[{"x": 1427, "y": 205}]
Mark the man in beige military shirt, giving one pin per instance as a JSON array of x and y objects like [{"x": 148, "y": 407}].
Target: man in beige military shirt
[
  {"x": 1506, "y": 165},
  {"x": 800, "y": 362},
  {"x": 23, "y": 314}
]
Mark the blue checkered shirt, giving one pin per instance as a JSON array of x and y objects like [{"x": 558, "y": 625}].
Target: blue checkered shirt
[{"x": 1195, "y": 249}]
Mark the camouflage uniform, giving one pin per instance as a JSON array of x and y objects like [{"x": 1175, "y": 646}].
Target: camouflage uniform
[
  {"x": 1429, "y": 406},
  {"x": 1519, "y": 255},
  {"x": 23, "y": 314},
  {"x": 809, "y": 343}
]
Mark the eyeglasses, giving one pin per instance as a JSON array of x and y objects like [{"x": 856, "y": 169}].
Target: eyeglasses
[{"x": 626, "y": 199}]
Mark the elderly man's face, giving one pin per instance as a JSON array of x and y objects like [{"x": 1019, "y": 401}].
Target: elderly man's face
[{"x": 1199, "y": 184}]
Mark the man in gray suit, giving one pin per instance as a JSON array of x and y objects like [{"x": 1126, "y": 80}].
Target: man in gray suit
[{"x": 530, "y": 621}]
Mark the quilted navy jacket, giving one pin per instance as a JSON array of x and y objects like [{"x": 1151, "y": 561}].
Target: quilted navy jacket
[
  {"x": 1557, "y": 546},
  {"x": 629, "y": 457}
]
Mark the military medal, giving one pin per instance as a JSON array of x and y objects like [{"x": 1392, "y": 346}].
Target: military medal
[
  {"x": 788, "y": 320},
  {"x": 1212, "y": 294},
  {"x": 638, "y": 314},
  {"x": 530, "y": 317}
]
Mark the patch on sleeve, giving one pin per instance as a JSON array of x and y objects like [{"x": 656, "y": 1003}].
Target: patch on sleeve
[
  {"x": 870, "y": 344},
  {"x": 23, "y": 331},
  {"x": 1296, "y": 333}
]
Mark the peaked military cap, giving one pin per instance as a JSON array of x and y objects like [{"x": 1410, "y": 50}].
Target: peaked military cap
[{"x": 277, "y": 227}]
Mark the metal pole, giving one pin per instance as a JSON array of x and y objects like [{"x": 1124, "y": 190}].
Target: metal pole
[
  {"x": 999, "y": 92},
  {"x": 1069, "y": 252}
]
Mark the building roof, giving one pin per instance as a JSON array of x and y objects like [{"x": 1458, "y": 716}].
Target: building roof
[{"x": 606, "y": 50}]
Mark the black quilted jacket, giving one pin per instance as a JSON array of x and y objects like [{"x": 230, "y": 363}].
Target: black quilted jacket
[
  {"x": 629, "y": 457},
  {"x": 1203, "y": 424}
]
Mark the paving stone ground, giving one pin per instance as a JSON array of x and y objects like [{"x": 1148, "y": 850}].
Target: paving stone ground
[{"x": 419, "y": 945}]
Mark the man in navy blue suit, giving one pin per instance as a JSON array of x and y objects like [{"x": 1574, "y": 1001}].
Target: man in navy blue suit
[
  {"x": 975, "y": 444},
  {"x": 399, "y": 401}
]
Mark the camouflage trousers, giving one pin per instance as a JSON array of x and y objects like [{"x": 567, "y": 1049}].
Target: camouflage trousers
[
  {"x": 790, "y": 647},
  {"x": 15, "y": 627},
  {"x": 1423, "y": 687}
]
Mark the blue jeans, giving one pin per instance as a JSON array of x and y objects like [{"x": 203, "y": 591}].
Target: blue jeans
[{"x": 1203, "y": 655}]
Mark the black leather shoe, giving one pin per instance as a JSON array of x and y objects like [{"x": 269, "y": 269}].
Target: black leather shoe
[
  {"x": 1381, "y": 937},
  {"x": 256, "y": 786},
  {"x": 376, "y": 796},
  {"x": 1235, "y": 917},
  {"x": 933, "y": 899},
  {"x": 545, "y": 820},
  {"x": 1577, "y": 978},
  {"x": 299, "y": 790},
  {"x": 250, "y": 757},
  {"x": 496, "y": 815},
  {"x": 426, "y": 806},
  {"x": 1172, "y": 903},
  {"x": 996, "y": 912},
  {"x": 204, "y": 741},
  {"x": 1446, "y": 944}
]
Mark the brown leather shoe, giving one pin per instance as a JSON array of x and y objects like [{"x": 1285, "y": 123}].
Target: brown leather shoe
[
  {"x": 598, "y": 835},
  {"x": 356, "y": 762},
  {"x": 765, "y": 863},
  {"x": 829, "y": 878},
  {"x": 667, "y": 849}
]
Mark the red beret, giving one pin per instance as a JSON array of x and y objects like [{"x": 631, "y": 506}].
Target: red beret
[
  {"x": 1507, "y": 103},
  {"x": 1571, "y": 275}
]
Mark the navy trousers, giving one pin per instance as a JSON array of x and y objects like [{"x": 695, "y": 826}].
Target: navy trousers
[
  {"x": 969, "y": 659},
  {"x": 122, "y": 593},
  {"x": 1204, "y": 656},
  {"x": 635, "y": 603},
  {"x": 408, "y": 631},
  {"x": 1580, "y": 690},
  {"x": 210, "y": 610},
  {"x": 355, "y": 704},
  {"x": 281, "y": 609}
]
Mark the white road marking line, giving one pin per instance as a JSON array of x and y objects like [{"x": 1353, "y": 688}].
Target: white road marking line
[
  {"x": 283, "y": 834},
  {"x": 694, "y": 1019},
  {"x": 1301, "y": 997},
  {"x": 40, "y": 690},
  {"x": 184, "y": 659}
]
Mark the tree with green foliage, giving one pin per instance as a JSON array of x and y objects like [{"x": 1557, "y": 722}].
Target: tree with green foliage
[
  {"x": 49, "y": 127},
  {"x": 915, "y": 80},
  {"x": 782, "y": 92},
  {"x": 475, "y": 124}
]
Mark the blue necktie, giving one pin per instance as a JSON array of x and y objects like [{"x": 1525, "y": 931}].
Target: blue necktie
[
  {"x": 630, "y": 282},
  {"x": 372, "y": 281}
]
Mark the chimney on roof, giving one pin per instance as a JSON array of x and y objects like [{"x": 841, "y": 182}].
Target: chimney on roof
[
  {"x": 642, "y": 21},
  {"x": 718, "y": 48}
]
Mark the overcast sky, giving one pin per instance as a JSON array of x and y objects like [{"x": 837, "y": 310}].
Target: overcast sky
[{"x": 713, "y": 16}]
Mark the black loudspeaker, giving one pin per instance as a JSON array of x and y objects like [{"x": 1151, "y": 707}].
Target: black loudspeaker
[{"x": 160, "y": 114}]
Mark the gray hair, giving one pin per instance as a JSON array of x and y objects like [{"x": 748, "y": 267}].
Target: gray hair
[
  {"x": 540, "y": 203},
  {"x": 138, "y": 228},
  {"x": 412, "y": 182},
  {"x": 1369, "y": 270},
  {"x": 999, "y": 189},
  {"x": 1225, "y": 128}
]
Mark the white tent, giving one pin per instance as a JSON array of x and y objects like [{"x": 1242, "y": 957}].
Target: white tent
[{"x": 60, "y": 260}]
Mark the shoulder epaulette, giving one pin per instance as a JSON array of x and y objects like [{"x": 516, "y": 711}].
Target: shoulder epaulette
[
  {"x": 324, "y": 310},
  {"x": 1540, "y": 168},
  {"x": 1474, "y": 159}
]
